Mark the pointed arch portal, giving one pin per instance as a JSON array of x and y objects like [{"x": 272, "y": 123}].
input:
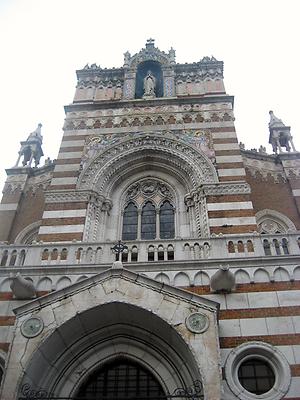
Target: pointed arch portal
[
  {"x": 113, "y": 322},
  {"x": 121, "y": 356}
]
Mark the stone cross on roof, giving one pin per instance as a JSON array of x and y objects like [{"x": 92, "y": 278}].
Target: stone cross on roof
[{"x": 150, "y": 43}]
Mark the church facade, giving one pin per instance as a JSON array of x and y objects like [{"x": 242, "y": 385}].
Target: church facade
[{"x": 156, "y": 257}]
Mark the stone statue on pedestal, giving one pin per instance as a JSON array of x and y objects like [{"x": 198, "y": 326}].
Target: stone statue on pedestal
[{"x": 149, "y": 85}]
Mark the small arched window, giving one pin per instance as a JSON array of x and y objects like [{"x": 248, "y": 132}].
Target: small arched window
[
  {"x": 277, "y": 246},
  {"x": 267, "y": 247},
  {"x": 130, "y": 222},
  {"x": 148, "y": 221},
  {"x": 166, "y": 221},
  {"x": 13, "y": 258},
  {"x": 4, "y": 258},
  {"x": 285, "y": 246},
  {"x": 150, "y": 253}
]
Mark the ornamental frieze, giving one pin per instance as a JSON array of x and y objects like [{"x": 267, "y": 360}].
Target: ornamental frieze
[
  {"x": 119, "y": 122},
  {"x": 267, "y": 175},
  {"x": 161, "y": 115}
]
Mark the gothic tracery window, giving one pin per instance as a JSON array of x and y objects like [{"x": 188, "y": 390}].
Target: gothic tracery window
[{"x": 149, "y": 213}]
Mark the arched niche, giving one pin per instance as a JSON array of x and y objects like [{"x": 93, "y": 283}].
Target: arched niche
[{"x": 142, "y": 71}]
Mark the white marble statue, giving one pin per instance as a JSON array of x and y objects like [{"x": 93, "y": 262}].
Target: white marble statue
[{"x": 149, "y": 84}]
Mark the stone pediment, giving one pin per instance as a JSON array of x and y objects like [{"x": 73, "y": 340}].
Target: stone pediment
[{"x": 117, "y": 275}]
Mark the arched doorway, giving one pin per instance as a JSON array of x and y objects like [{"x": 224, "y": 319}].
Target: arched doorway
[
  {"x": 102, "y": 336},
  {"x": 120, "y": 379},
  {"x": 103, "y": 319}
]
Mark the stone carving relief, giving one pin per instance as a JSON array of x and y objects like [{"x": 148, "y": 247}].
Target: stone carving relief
[
  {"x": 29, "y": 234},
  {"x": 263, "y": 167},
  {"x": 97, "y": 210},
  {"x": 14, "y": 183},
  {"x": 111, "y": 156},
  {"x": 199, "y": 74},
  {"x": 266, "y": 175},
  {"x": 150, "y": 52},
  {"x": 218, "y": 190},
  {"x": 272, "y": 221},
  {"x": 201, "y": 140},
  {"x": 149, "y": 189},
  {"x": 270, "y": 226},
  {"x": 159, "y": 116},
  {"x": 69, "y": 196}
]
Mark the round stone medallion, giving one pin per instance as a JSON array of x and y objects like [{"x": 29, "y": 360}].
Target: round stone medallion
[
  {"x": 197, "y": 322},
  {"x": 32, "y": 327}
]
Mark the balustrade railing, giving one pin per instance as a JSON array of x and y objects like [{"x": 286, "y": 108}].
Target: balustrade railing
[{"x": 221, "y": 247}]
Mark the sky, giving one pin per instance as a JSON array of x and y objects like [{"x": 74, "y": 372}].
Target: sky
[{"x": 43, "y": 42}]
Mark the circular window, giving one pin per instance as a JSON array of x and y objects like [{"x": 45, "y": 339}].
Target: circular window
[
  {"x": 256, "y": 376},
  {"x": 257, "y": 369}
]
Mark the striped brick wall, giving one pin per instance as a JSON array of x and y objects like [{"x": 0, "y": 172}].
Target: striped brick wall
[
  {"x": 63, "y": 221},
  {"x": 227, "y": 217},
  {"x": 263, "y": 312},
  {"x": 64, "y": 215},
  {"x": 232, "y": 213},
  {"x": 229, "y": 161},
  {"x": 68, "y": 163}
]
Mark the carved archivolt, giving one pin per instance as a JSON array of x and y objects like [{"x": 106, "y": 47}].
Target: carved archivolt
[
  {"x": 199, "y": 139},
  {"x": 28, "y": 234},
  {"x": 271, "y": 221},
  {"x": 195, "y": 166}
]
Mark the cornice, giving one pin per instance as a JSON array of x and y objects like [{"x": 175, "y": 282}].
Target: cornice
[
  {"x": 70, "y": 196},
  {"x": 30, "y": 171},
  {"x": 259, "y": 156},
  {"x": 156, "y": 266},
  {"x": 95, "y": 105}
]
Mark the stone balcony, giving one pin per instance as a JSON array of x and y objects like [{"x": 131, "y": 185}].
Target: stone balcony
[{"x": 222, "y": 248}]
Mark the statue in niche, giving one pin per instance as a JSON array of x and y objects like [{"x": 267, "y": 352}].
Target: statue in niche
[{"x": 149, "y": 85}]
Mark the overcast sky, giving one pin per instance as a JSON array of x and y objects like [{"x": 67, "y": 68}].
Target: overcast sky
[{"x": 43, "y": 42}]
